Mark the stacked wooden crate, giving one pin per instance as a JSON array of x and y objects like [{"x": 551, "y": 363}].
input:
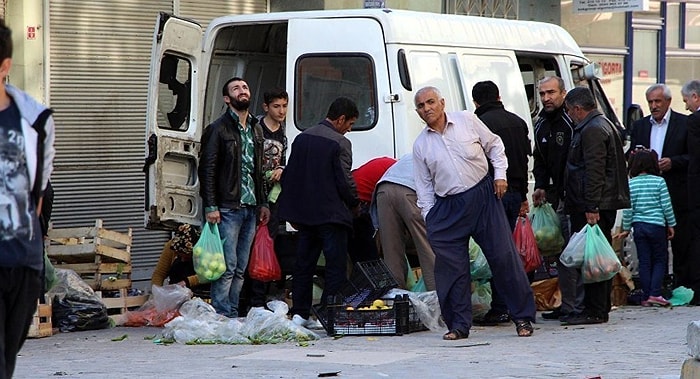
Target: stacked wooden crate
[
  {"x": 100, "y": 256},
  {"x": 41, "y": 322}
]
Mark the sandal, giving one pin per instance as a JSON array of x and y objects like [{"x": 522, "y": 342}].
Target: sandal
[
  {"x": 524, "y": 328},
  {"x": 455, "y": 334}
]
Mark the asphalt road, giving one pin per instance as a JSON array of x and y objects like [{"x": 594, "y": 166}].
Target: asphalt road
[{"x": 636, "y": 343}]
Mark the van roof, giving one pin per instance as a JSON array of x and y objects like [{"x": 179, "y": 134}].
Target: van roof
[{"x": 424, "y": 28}]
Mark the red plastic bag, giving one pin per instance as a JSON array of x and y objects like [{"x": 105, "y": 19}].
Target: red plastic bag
[
  {"x": 525, "y": 242},
  {"x": 263, "y": 265}
]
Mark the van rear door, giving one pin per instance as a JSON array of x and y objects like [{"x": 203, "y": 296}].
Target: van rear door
[
  {"x": 172, "y": 146},
  {"x": 328, "y": 58}
]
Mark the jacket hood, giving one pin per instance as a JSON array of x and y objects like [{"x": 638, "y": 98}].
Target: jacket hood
[{"x": 28, "y": 107}]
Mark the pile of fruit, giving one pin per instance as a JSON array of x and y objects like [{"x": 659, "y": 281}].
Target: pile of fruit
[
  {"x": 378, "y": 304},
  {"x": 208, "y": 264}
]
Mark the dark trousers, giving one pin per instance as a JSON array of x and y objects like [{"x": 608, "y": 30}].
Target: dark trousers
[
  {"x": 332, "y": 239},
  {"x": 691, "y": 274},
  {"x": 511, "y": 206},
  {"x": 361, "y": 245},
  {"x": 20, "y": 288},
  {"x": 652, "y": 252},
  {"x": 682, "y": 253},
  {"x": 596, "y": 296},
  {"x": 452, "y": 220}
]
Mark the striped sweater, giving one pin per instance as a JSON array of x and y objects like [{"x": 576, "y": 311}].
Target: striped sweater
[{"x": 651, "y": 202}]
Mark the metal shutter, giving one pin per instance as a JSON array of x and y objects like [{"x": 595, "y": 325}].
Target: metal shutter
[
  {"x": 203, "y": 11},
  {"x": 99, "y": 64}
]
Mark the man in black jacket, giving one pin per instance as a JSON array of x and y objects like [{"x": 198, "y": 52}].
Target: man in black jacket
[
  {"x": 691, "y": 277},
  {"x": 319, "y": 198},
  {"x": 553, "y": 131},
  {"x": 596, "y": 187},
  {"x": 513, "y": 132},
  {"x": 231, "y": 178},
  {"x": 665, "y": 132}
]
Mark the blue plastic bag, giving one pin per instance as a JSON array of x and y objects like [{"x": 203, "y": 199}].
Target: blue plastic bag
[{"x": 208, "y": 254}]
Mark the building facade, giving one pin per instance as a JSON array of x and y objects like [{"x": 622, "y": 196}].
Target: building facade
[{"x": 90, "y": 61}]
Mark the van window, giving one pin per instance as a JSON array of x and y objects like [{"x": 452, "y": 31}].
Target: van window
[
  {"x": 533, "y": 68},
  {"x": 174, "y": 88},
  {"x": 601, "y": 99},
  {"x": 427, "y": 70},
  {"x": 321, "y": 78}
]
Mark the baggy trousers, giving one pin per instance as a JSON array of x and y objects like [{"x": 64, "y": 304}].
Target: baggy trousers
[
  {"x": 479, "y": 214},
  {"x": 20, "y": 288}
]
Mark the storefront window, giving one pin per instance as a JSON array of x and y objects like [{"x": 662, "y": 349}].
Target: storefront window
[
  {"x": 612, "y": 82},
  {"x": 594, "y": 29},
  {"x": 692, "y": 25},
  {"x": 680, "y": 70},
  {"x": 673, "y": 26}
]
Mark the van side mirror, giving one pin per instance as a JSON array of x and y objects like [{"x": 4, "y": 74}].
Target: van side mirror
[{"x": 634, "y": 113}]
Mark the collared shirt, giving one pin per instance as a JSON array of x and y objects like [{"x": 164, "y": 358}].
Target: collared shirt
[
  {"x": 455, "y": 161},
  {"x": 658, "y": 133},
  {"x": 247, "y": 164}
]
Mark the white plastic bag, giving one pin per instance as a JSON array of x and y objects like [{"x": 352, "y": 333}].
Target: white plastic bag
[{"x": 572, "y": 256}]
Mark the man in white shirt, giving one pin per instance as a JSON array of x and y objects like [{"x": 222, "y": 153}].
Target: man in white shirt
[
  {"x": 665, "y": 132},
  {"x": 458, "y": 200}
]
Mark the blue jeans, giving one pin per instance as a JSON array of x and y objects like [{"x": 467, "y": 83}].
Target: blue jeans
[
  {"x": 237, "y": 229},
  {"x": 333, "y": 240},
  {"x": 652, "y": 251}
]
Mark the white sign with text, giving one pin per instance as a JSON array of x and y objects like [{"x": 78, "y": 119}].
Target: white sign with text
[{"x": 600, "y": 6}]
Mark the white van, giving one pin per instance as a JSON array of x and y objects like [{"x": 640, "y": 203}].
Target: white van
[{"x": 378, "y": 57}]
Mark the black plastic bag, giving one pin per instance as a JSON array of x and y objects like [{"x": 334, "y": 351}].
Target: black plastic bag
[{"x": 77, "y": 314}]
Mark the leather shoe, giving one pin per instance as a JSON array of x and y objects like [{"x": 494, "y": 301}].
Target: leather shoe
[
  {"x": 583, "y": 319},
  {"x": 492, "y": 319},
  {"x": 553, "y": 315}
]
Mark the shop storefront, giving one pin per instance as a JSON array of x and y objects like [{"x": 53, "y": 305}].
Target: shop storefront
[{"x": 90, "y": 60}]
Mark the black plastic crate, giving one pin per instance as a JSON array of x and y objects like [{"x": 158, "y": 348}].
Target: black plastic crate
[
  {"x": 369, "y": 280},
  {"x": 401, "y": 318}
]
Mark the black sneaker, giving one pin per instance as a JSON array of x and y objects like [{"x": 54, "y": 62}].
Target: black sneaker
[
  {"x": 492, "y": 319},
  {"x": 583, "y": 319},
  {"x": 553, "y": 315}
]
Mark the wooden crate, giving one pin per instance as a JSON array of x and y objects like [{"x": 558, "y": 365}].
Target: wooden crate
[
  {"x": 101, "y": 257},
  {"x": 122, "y": 303},
  {"x": 41, "y": 322}
]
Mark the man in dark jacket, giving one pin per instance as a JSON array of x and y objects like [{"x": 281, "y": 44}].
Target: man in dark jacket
[
  {"x": 691, "y": 276},
  {"x": 596, "y": 187},
  {"x": 553, "y": 131},
  {"x": 231, "y": 177},
  {"x": 513, "y": 132},
  {"x": 665, "y": 132},
  {"x": 319, "y": 198}
]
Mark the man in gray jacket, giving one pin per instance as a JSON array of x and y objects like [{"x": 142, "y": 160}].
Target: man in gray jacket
[{"x": 26, "y": 162}]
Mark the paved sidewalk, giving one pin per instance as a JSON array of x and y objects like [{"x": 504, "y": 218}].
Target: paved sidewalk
[{"x": 636, "y": 343}]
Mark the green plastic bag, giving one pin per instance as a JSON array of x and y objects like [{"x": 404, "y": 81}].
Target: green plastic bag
[
  {"x": 50, "y": 278},
  {"x": 208, "y": 254},
  {"x": 547, "y": 229},
  {"x": 411, "y": 279},
  {"x": 681, "y": 296},
  {"x": 479, "y": 269},
  {"x": 600, "y": 262},
  {"x": 419, "y": 286}
]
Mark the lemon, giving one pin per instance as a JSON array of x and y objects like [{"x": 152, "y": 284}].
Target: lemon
[{"x": 378, "y": 303}]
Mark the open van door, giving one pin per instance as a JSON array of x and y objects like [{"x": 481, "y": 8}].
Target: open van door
[
  {"x": 173, "y": 135},
  {"x": 333, "y": 57}
]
